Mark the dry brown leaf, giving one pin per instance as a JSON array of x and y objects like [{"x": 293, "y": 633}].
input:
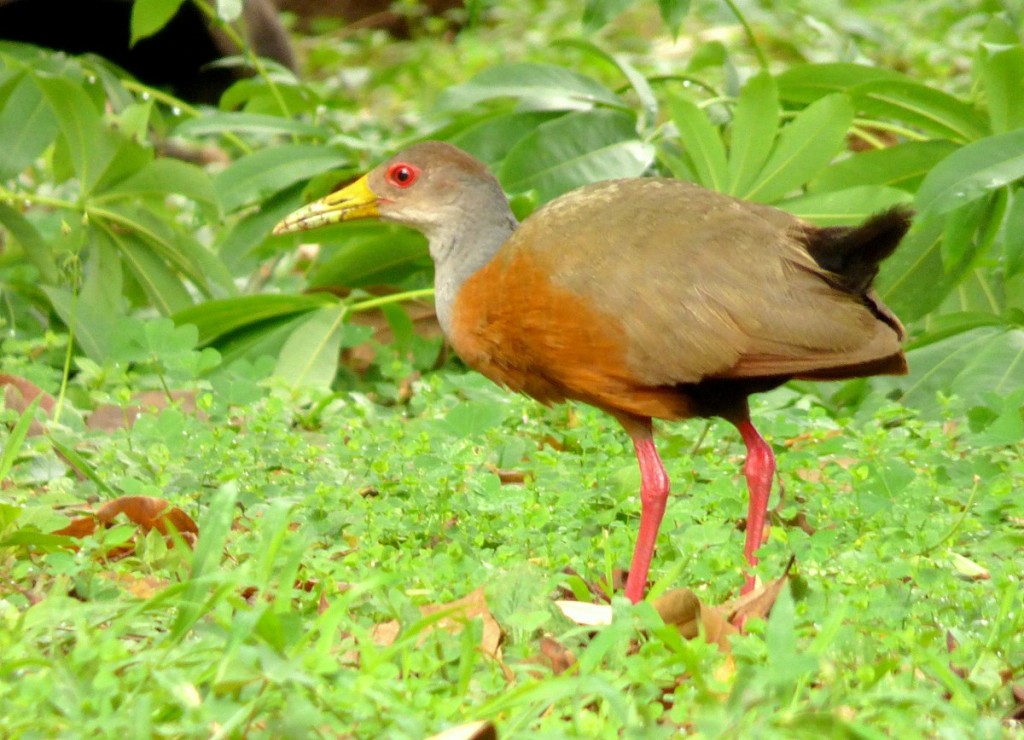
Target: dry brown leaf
[
  {"x": 469, "y": 731},
  {"x": 1017, "y": 713},
  {"x": 19, "y": 393},
  {"x": 144, "y": 511},
  {"x": 555, "y": 655},
  {"x": 758, "y": 603},
  {"x": 508, "y": 477},
  {"x": 110, "y": 418},
  {"x": 385, "y": 633},
  {"x": 680, "y": 607},
  {"x": 457, "y": 612},
  {"x": 141, "y": 587}
]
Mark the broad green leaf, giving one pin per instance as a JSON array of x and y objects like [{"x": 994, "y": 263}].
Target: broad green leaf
[
  {"x": 217, "y": 318},
  {"x": 536, "y": 86},
  {"x": 845, "y": 207},
  {"x": 701, "y": 140},
  {"x": 1013, "y": 235},
  {"x": 163, "y": 177},
  {"x": 810, "y": 82},
  {"x": 639, "y": 83},
  {"x": 574, "y": 150},
  {"x": 378, "y": 254},
  {"x": 753, "y": 130},
  {"x": 1002, "y": 73},
  {"x": 804, "y": 148},
  {"x": 598, "y": 13},
  {"x": 902, "y": 166},
  {"x": 970, "y": 229},
  {"x": 179, "y": 248},
  {"x": 982, "y": 291},
  {"x": 35, "y": 246},
  {"x": 971, "y": 365},
  {"x": 491, "y": 139},
  {"x": 149, "y": 16},
  {"x": 673, "y": 13},
  {"x": 914, "y": 280},
  {"x": 27, "y": 127},
  {"x": 239, "y": 247},
  {"x": 267, "y": 171},
  {"x": 932, "y": 110},
  {"x": 89, "y": 144},
  {"x": 161, "y": 284},
  {"x": 972, "y": 172},
  {"x": 309, "y": 359},
  {"x": 93, "y": 325},
  {"x": 249, "y": 123}
]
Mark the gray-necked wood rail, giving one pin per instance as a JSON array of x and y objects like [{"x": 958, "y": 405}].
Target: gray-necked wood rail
[{"x": 645, "y": 297}]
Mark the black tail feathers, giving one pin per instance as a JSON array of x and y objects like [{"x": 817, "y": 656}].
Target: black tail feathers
[{"x": 852, "y": 253}]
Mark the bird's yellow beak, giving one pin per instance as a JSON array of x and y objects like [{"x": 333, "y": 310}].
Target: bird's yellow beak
[{"x": 350, "y": 203}]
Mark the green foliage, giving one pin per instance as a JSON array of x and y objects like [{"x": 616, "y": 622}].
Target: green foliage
[{"x": 327, "y": 516}]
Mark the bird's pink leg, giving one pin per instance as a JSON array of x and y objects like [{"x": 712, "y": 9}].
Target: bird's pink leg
[
  {"x": 654, "y": 488},
  {"x": 760, "y": 470}
]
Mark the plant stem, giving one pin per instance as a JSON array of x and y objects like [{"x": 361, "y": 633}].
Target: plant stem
[
  {"x": 407, "y": 295},
  {"x": 758, "y": 52}
]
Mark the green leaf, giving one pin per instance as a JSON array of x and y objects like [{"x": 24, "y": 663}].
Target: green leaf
[
  {"x": 1002, "y": 69},
  {"x": 163, "y": 177},
  {"x": 378, "y": 254},
  {"x": 845, "y": 207},
  {"x": 927, "y": 108},
  {"x": 218, "y": 318},
  {"x": 161, "y": 284},
  {"x": 536, "y": 86},
  {"x": 149, "y": 16},
  {"x": 971, "y": 365},
  {"x": 701, "y": 141},
  {"x": 1013, "y": 244},
  {"x": 309, "y": 358},
  {"x": 804, "y": 148},
  {"x": 491, "y": 138},
  {"x": 809, "y": 82},
  {"x": 27, "y": 127},
  {"x": 93, "y": 325},
  {"x": 673, "y": 13},
  {"x": 902, "y": 166},
  {"x": 267, "y": 171},
  {"x": 248, "y": 123},
  {"x": 915, "y": 280},
  {"x": 972, "y": 172},
  {"x": 639, "y": 83},
  {"x": 36, "y": 248},
  {"x": 574, "y": 150},
  {"x": 12, "y": 445},
  {"x": 753, "y": 130},
  {"x": 598, "y": 13},
  {"x": 89, "y": 144}
]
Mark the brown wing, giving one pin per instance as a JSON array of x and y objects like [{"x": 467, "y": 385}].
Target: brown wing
[{"x": 702, "y": 285}]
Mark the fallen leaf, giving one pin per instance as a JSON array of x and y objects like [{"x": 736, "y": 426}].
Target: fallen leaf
[
  {"x": 555, "y": 655},
  {"x": 144, "y": 511},
  {"x": 1017, "y": 713},
  {"x": 470, "y": 731},
  {"x": 584, "y": 613},
  {"x": 141, "y": 587},
  {"x": 385, "y": 633},
  {"x": 19, "y": 393},
  {"x": 969, "y": 569},
  {"x": 758, "y": 603},
  {"x": 110, "y": 418},
  {"x": 680, "y": 607},
  {"x": 457, "y": 612}
]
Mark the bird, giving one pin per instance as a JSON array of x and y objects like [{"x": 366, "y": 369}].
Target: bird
[{"x": 646, "y": 297}]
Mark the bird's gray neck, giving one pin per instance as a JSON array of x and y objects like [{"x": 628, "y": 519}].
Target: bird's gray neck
[{"x": 460, "y": 251}]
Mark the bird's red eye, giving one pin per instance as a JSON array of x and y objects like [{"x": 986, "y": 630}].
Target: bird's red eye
[{"x": 402, "y": 175}]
